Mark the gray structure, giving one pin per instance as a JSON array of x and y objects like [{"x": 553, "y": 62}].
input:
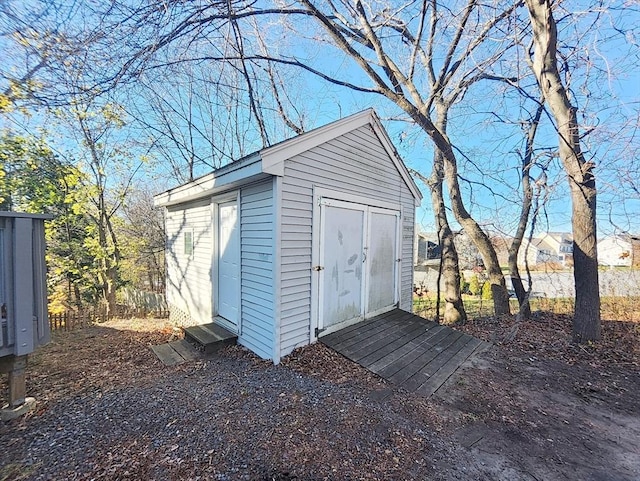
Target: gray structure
[{"x": 24, "y": 323}]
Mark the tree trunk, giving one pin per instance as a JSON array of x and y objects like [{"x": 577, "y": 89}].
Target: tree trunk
[
  {"x": 582, "y": 184},
  {"x": 527, "y": 198},
  {"x": 470, "y": 226},
  {"x": 514, "y": 272},
  {"x": 454, "y": 308},
  {"x": 481, "y": 241}
]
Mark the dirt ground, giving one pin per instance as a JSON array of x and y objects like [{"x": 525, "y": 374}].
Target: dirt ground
[{"x": 535, "y": 408}]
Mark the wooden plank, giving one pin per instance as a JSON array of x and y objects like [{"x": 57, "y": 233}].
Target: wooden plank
[
  {"x": 348, "y": 332},
  {"x": 368, "y": 344},
  {"x": 395, "y": 360},
  {"x": 395, "y": 354},
  {"x": 211, "y": 333},
  {"x": 382, "y": 322},
  {"x": 444, "y": 355},
  {"x": 184, "y": 349},
  {"x": 167, "y": 355},
  {"x": 366, "y": 321},
  {"x": 445, "y": 372},
  {"x": 363, "y": 332},
  {"x": 383, "y": 336},
  {"x": 409, "y": 365},
  {"x": 382, "y": 348}
]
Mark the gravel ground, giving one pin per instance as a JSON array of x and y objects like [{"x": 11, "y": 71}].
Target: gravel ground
[{"x": 109, "y": 410}]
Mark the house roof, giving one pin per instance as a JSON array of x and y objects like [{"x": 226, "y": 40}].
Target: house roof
[
  {"x": 270, "y": 161},
  {"x": 558, "y": 237},
  {"x": 618, "y": 238},
  {"x": 538, "y": 244}
]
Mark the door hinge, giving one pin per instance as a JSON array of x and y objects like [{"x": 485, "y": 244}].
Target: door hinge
[{"x": 318, "y": 268}]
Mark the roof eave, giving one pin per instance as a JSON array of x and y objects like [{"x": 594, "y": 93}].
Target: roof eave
[{"x": 211, "y": 184}]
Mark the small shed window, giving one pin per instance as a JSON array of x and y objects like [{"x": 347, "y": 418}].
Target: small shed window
[{"x": 188, "y": 242}]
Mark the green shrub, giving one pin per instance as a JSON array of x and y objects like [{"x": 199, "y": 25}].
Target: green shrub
[
  {"x": 474, "y": 285},
  {"x": 486, "y": 291}
]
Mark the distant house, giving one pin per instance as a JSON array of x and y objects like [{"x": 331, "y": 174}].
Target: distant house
[
  {"x": 561, "y": 244},
  {"x": 619, "y": 250},
  {"x": 536, "y": 252},
  {"x": 549, "y": 247},
  {"x": 426, "y": 248}
]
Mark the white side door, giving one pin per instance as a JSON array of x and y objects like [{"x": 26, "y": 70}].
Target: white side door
[
  {"x": 382, "y": 260},
  {"x": 228, "y": 261},
  {"x": 341, "y": 257}
]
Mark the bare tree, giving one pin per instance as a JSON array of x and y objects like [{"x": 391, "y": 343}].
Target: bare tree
[
  {"x": 107, "y": 157},
  {"x": 143, "y": 237},
  {"x": 361, "y": 32},
  {"x": 523, "y": 220},
  {"x": 407, "y": 71},
  {"x": 196, "y": 119},
  {"x": 582, "y": 182}
]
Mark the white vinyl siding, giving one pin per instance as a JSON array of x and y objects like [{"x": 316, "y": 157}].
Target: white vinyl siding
[
  {"x": 189, "y": 274},
  {"x": 257, "y": 271},
  {"x": 615, "y": 251},
  {"x": 354, "y": 163}
]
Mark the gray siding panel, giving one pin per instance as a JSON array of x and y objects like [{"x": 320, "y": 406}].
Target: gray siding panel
[
  {"x": 257, "y": 234},
  {"x": 189, "y": 276},
  {"x": 354, "y": 163}
]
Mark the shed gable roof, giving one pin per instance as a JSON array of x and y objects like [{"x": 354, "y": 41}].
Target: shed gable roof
[
  {"x": 272, "y": 160},
  {"x": 274, "y": 157}
]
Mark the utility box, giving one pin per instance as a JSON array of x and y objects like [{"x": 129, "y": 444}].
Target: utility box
[{"x": 24, "y": 323}]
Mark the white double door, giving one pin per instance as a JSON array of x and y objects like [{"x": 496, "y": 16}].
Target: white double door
[{"x": 358, "y": 262}]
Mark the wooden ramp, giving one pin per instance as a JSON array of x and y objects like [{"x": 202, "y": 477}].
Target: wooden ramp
[{"x": 408, "y": 350}]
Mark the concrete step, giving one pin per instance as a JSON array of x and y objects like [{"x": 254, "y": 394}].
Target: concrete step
[{"x": 209, "y": 337}]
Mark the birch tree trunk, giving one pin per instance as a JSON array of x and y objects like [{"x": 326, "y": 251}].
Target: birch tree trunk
[{"x": 582, "y": 183}]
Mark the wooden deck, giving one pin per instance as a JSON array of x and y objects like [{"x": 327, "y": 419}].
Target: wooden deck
[{"x": 408, "y": 350}]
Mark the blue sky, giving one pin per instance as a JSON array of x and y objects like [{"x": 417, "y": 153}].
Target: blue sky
[{"x": 487, "y": 147}]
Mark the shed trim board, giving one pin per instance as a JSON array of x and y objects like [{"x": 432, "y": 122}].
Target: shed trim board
[
  {"x": 280, "y": 193},
  {"x": 277, "y": 278},
  {"x": 248, "y": 169}
]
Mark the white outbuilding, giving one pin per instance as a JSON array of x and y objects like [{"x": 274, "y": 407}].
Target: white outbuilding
[{"x": 296, "y": 240}]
